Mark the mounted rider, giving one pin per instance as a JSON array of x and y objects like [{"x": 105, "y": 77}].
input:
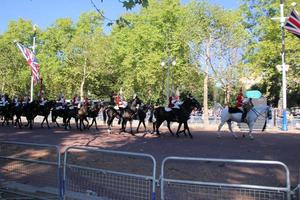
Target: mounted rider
[
  {"x": 120, "y": 100},
  {"x": 4, "y": 100},
  {"x": 174, "y": 100},
  {"x": 41, "y": 98},
  {"x": 243, "y": 105},
  {"x": 15, "y": 101},
  {"x": 61, "y": 102}
]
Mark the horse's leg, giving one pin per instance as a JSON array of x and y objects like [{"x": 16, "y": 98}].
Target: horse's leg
[
  {"x": 179, "y": 126},
  {"x": 186, "y": 127},
  {"x": 123, "y": 126},
  {"x": 250, "y": 125},
  {"x": 47, "y": 121},
  {"x": 137, "y": 129},
  {"x": 130, "y": 122},
  {"x": 96, "y": 123},
  {"x": 104, "y": 116},
  {"x": 219, "y": 128},
  {"x": 230, "y": 128},
  {"x": 42, "y": 124},
  {"x": 109, "y": 123},
  {"x": 87, "y": 121},
  {"x": 158, "y": 123},
  {"x": 143, "y": 121},
  {"x": 169, "y": 127}
]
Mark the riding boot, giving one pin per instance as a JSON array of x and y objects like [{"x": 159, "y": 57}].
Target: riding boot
[{"x": 244, "y": 116}]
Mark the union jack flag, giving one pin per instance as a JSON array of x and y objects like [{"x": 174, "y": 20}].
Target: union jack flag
[
  {"x": 31, "y": 60},
  {"x": 293, "y": 23}
]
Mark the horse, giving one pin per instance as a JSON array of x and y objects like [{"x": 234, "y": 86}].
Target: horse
[
  {"x": 141, "y": 115},
  {"x": 93, "y": 113},
  {"x": 82, "y": 115},
  {"x": 60, "y": 111},
  {"x": 252, "y": 115},
  {"x": 181, "y": 116},
  {"x": 126, "y": 114},
  {"x": 7, "y": 112},
  {"x": 44, "y": 110},
  {"x": 29, "y": 110}
]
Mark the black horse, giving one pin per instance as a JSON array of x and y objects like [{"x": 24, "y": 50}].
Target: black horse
[
  {"x": 93, "y": 113},
  {"x": 141, "y": 115},
  {"x": 60, "y": 111},
  {"x": 181, "y": 116},
  {"x": 29, "y": 110},
  {"x": 7, "y": 113},
  {"x": 125, "y": 114},
  {"x": 44, "y": 110}
]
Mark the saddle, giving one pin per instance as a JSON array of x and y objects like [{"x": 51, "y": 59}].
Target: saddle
[{"x": 234, "y": 110}]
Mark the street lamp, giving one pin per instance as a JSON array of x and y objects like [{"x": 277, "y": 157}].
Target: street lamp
[
  {"x": 168, "y": 62},
  {"x": 283, "y": 66}
]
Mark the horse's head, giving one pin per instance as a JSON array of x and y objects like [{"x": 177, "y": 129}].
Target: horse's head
[{"x": 191, "y": 103}]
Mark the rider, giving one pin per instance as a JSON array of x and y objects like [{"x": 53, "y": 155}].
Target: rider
[
  {"x": 61, "y": 102},
  {"x": 41, "y": 98},
  {"x": 240, "y": 104},
  {"x": 76, "y": 100},
  {"x": 174, "y": 100},
  {"x": 16, "y": 101},
  {"x": 120, "y": 100}
]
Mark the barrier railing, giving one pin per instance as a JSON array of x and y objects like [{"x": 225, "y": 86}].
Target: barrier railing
[
  {"x": 105, "y": 179},
  {"x": 196, "y": 189},
  {"x": 30, "y": 169}
]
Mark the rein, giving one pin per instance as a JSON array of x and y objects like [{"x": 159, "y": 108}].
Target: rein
[{"x": 257, "y": 113}]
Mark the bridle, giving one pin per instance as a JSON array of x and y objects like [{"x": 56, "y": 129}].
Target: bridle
[{"x": 257, "y": 113}]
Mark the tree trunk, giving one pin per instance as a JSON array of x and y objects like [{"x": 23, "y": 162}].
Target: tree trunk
[
  {"x": 205, "y": 84},
  {"x": 83, "y": 80}
]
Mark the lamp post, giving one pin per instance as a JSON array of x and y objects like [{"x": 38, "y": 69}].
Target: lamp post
[
  {"x": 283, "y": 66},
  {"x": 168, "y": 62}
]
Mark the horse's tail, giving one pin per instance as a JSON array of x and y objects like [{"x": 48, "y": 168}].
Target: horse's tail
[
  {"x": 152, "y": 118},
  {"x": 265, "y": 125}
]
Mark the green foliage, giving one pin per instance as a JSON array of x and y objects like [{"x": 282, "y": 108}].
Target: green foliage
[
  {"x": 264, "y": 50},
  {"x": 77, "y": 57}
]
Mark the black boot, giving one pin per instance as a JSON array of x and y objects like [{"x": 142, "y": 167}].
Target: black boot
[{"x": 244, "y": 116}]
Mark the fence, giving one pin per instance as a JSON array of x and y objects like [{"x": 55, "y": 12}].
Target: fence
[
  {"x": 91, "y": 173},
  {"x": 181, "y": 188},
  {"x": 30, "y": 169},
  {"x": 101, "y": 178}
]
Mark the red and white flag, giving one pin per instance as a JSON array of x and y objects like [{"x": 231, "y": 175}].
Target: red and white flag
[
  {"x": 293, "y": 23},
  {"x": 31, "y": 60}
]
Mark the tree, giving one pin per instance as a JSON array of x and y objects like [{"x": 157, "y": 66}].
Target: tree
[
  {"x": 263, "y": 52},
  {"x": 216, "y": 39}
]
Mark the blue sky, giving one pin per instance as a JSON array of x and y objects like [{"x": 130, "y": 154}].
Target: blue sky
[{"x": 45, "y": 12}]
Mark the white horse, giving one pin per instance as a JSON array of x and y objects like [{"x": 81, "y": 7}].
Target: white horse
[{"x": 252, "y": 115}]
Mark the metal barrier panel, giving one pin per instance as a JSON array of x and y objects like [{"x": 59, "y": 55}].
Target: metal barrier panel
[
  {"x": 229, "y": 173},
  {"x": 93, "y": 173},
  {"x": 30, "y": 169}
]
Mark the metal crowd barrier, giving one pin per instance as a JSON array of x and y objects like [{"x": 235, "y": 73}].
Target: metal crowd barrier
[
  {"x": 172, "y": 188},
  {"x": 29, "y": 169},
  {"x": 92, "y": 173}
]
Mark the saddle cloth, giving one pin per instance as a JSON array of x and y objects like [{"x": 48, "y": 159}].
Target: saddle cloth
[{"x": 234, "y": 110}]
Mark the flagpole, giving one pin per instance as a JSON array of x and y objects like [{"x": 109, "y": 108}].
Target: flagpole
[
  {"x": 284, "y": 97},
  {"x": 33, "y": 51}
]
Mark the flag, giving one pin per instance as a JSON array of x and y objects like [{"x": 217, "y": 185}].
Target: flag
[
  {"x": 31, "y": 60},
  {"x": 293, "y": 23}
]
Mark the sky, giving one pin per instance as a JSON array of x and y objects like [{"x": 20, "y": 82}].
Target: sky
[{"x": 43, "y": 13}]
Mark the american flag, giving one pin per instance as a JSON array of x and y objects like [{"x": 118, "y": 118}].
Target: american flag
[
  {"x": 31, "y": 60},
  {"x": 293, "y": 23}
]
